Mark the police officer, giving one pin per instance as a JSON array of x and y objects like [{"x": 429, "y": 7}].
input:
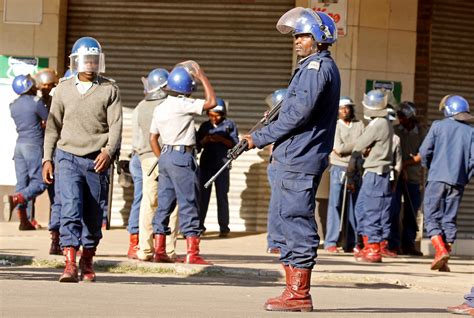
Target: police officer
[
  {"x": 84, "y": 130},
  {"x": 348, "y": 129},
  {"x": 272, "y": 233},
  {"x": 173, "y": 121},
  {"x": 154, "y": 96},
  {"x": 411, "y": 136},
  {"x": 447, "y": 175},
  {"x": 375, "y": 192},
  {"x": 46, "y": 81},
  {"x": 303, "y": 137},
  {"x": 29, "y": 114},
  {"x": 216, "y": 136}
]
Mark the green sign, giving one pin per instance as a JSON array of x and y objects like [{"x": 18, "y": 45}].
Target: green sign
[
  {"x": 392, "y": 86},
  {"x": 11, "y": 66}
]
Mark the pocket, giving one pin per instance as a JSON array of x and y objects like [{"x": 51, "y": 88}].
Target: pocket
[{"x": 298, "y": 198}]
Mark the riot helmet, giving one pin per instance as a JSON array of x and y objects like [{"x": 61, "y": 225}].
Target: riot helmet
[
  {"x": 22, "y": 84},
  {"x": 274, "y": 98},
  {"x": 375, "y": 103},
  {"x": 46, "y": 76},
  {"x": 306, "y": 21},
  {"x": 181, "y": 81},
  {"x": 407, "y": 109},
  {"x": 156, "y": 79},
  {"x": 455, "y": 106},
  {"x": 221, "y": 106},
  {"x": 87, "y": 56},
  {"x": 69, "y": 73}
]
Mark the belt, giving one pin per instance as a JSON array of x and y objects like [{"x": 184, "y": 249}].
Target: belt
[
  {"x": 92, "y": 155},
  {"x": 180, "y": 148}
]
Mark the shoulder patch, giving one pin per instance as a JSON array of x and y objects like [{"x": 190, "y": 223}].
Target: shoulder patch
[{"x": 314, "y": 65}]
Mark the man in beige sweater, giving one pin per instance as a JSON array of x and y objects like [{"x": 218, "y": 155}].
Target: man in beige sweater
[{"x": 83, "y": 130}]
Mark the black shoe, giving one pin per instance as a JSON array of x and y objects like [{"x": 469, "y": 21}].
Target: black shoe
[
  {"x": 224, "y": 234},
  {"x": 411, "y": 250}
]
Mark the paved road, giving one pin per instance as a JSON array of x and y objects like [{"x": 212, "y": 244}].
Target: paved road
[{"x": 34, "y": 292}]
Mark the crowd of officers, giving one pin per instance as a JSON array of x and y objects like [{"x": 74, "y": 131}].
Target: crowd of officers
[{"x": 67, "y": 139}]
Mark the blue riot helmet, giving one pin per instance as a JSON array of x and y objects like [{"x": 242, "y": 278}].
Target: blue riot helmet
[
  {"x": 181, "y": 81},
  {"x": 407, "y": 109},
  {"x": 375, "y": 103},
  {"x": 221, "y": 106},
  {"x": 156, "y": 79},
  {"x": 22, "y": 84},
  {"x": 306, "y": 21},
  {"x": 87, "y": 56},
  {"x": 69, "y": 73},
  {"x": 274, "y": 98},
  {"x": 455, "y": 106}
]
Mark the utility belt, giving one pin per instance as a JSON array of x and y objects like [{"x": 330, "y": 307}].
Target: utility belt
[{"x": 179, "y": 148}]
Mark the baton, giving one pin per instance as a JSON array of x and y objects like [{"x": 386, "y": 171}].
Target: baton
[
  {"x": 343, "y": 204},
  {"x": 152, "y": 168}
]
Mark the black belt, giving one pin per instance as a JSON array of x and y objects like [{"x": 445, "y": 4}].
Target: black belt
[{"x": 92, "y": 155}]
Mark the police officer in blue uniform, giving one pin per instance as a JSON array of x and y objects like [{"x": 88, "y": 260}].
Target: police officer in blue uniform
[
  {"x": 46, "y": 81},
  {"x": 216, "y": 136},
  {"x": 83, "y": 130},
  {"x": 447, "y": 175},
  {"x": 303, "y": 137},
  {"x": 29, "y": 114},
  {"x": 173, "y": 121}
]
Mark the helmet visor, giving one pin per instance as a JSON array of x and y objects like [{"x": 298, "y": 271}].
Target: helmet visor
[
  {"x": 300, "y": 18},
  {"x": 94, "y": 63}
]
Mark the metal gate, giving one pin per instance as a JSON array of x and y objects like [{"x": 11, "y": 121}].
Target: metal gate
[{"x": 237, "y": 45}]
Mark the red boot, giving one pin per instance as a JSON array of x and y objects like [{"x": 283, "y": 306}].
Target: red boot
[
  {"x": 70, "y": 271},
  {"x": 371, "y": 254},
  {"x": 86, "y": 265},
  {"x": 445, "y": 267},
  {"x": 365, "y": 242},
  {"x": 160, "y": 256},
  {"x": 133, "y": 247},
  {"x": 55, "y": 249},
  {"x": 12, "y": 201},
  {"x": 193, "y": 256},
  {"x": 385, "y": 251},
  {"x": 287, "y": 269},
  {"x": 25, "y": 224},
  {"x": 441, "y": 254},
  {"x": 296, "y": 295}
]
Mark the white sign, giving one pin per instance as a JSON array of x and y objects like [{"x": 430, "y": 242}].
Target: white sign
[{"x": 336, "y": 9}]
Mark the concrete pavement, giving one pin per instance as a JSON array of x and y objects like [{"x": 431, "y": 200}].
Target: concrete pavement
[
  {"x": 243, "y": 254},
  {"x": 236, "y": 286}
]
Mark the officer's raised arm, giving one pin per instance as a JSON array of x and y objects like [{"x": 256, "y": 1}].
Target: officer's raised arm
[{"x": 209, "y": 93}]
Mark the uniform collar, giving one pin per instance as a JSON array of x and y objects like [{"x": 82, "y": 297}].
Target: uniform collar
[
  {"x": 311, "y": 57},
  {"x": 77, "y": 81}
]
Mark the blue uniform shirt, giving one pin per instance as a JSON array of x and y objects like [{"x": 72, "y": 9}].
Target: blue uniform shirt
[
  {"x": 448, "y": 152},
  {"x": 28, "y": 111},
  {"x": 304, "y": 131},
  {"x": 216, "y": 152}
]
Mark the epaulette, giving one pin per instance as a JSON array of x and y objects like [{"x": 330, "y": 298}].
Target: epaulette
[
  {"x": 106, "y": 80},
  {"x": 314, "y": 65}
]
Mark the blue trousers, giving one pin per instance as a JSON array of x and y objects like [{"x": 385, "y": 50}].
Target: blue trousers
[
  {"x": 55, "y": 199},
  {"x": 336, "y": 192},
  {"x": 411, "y": 203},
  {"x": 441, "y": 207},
  {"x": 178, "y": 182},
  {"x": 222, "y": 189},
  {"x": 136, "y": 172},
  {"x": 470, "y": 297},
  {"x": 274, "y": 233},
  {"x": 374, "y": 202},
  {"x": 82, "y": 193},
  {"x": 29, "y": 181},
  {"x": 293, "y": 196}
]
